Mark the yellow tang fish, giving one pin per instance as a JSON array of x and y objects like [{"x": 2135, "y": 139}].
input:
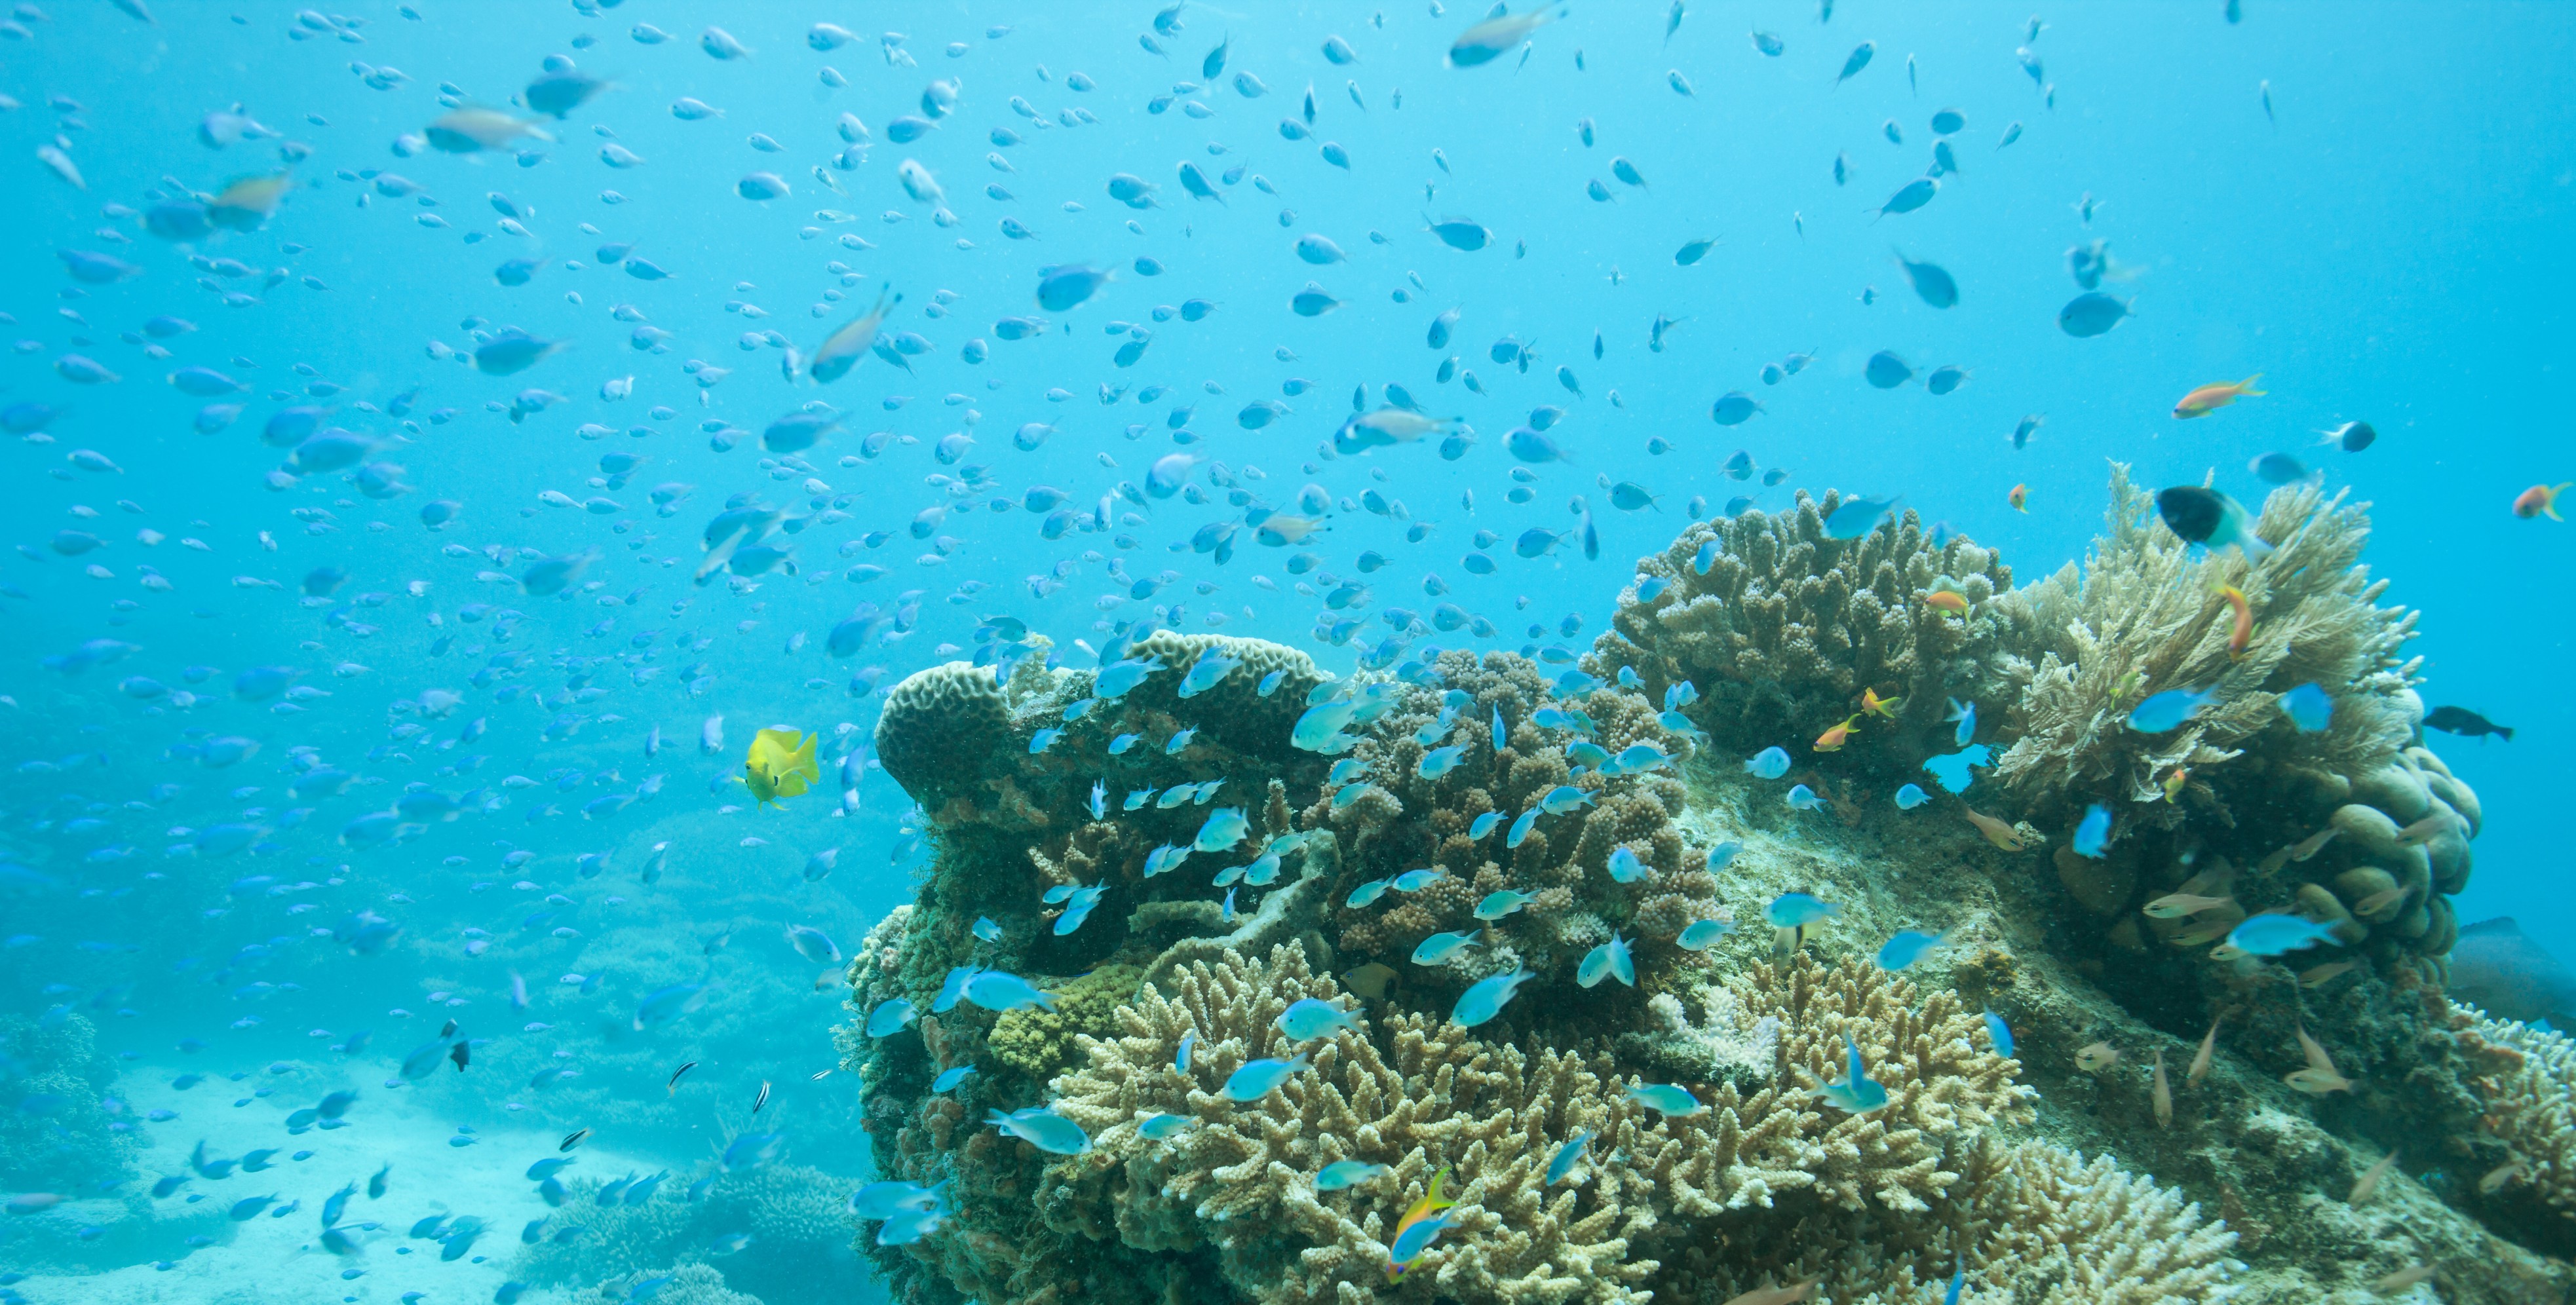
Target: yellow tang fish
[{"x": 781, "y": 764}]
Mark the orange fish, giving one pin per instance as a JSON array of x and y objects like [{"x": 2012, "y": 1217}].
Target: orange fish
[
  {"x": 2540, "y": 499},
  {"x": 2243, "y": 634},
  {"x": 2019, "y": 494},
  {"x": 2210, "y": 398},
  {"x": 1871, "y": 702},
  {"x": 1947, "y": 600},
  {"x": 2173, "y": 783},
  {"x": 1832, "y": 740}
]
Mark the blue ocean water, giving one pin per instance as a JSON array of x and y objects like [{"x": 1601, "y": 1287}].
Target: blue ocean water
[{"x": 2364, "y": 204}]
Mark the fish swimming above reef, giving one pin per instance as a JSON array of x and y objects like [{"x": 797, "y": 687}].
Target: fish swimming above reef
[
  {"x": 2466, "y": 723},
  {"x": 780, "y": 764}
]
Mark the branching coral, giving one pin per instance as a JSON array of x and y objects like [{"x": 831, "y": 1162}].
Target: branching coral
[
  {"x": 1395, "y": 819},
  {"x": 2029, "y": 1222},
  {"x": 1419, "y": 1094},
  {"x": 2532, "y": 1111},
  {"x": 1782, "y": 628},
  {"x": 1432, "y": 1097}
]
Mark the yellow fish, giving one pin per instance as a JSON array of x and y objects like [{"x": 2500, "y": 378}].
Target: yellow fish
[
  {"x": 246, "y": 203},
  {"x": 1872, "y": 704},
  {"x": 781, "y": 764},
  {"x": 2210, "y": 398}
]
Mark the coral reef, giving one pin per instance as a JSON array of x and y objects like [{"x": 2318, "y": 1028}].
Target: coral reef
[
  {"x": 2532, "y": 1116},
  {"x": 800, "y": 1239},
  {"x": 1717, "y": 1159},
  {"x": 1391, "y": 819},
  {"x": 1782, "y": 628},
  {"x": 2026, "y": 1222},
  {"x": 64, "y": 1130}
]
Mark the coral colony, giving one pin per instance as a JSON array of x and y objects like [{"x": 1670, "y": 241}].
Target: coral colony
[{"x": 1548, "y": 988}]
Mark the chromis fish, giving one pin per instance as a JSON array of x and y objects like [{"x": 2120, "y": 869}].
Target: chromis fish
[
  {"x": 2001, "y": 1033},
  {"x": 1769, "y": 763},
  {"x": 1700, "y": 935},
  {"x": 1042, "y": 1128},
  {"x": 1414, "y": 881},
  {"x": 1857, "y": 1093},
  {"x": 1486, "y": 998},
  {"x": 1483, "y": 825},
  {"x": 1160, "y": 1127},
  {"x": 2309, "y": 708},
  {"x": 1665, "y": 1098},
  {"x": 1609, "y": 960},
  {"x": 1367, "y": 893},
  {"x": 1347, "y": 1173},
  {"x": 1496, "y": 35},
  {"x": 1803, "y": 798},
  {"x": 1907, "y": 947},
  {"x": 893, "y": 1014},
  {"x": 1256, "y": 1079},
  {"x": 2272, "y": 934},
  {"x": 1225, "y": 827},
  {"x": 2093, "y": 833},
  {"x": 1910, "y": 796},
  {"x": 1441, "y": 946},
  {"x": 1502, "y": 902},
  {"x": 1798, "y": 910},
  {"x": 1310, "y": 1018},
  {"x": 2166, "y": 712},
  {"x": 1439, "y": 761},
  {"x": 1000, "y": 990}
]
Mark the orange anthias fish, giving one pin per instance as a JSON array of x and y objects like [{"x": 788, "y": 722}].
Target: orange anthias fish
[
  {"x": 1832, "y": 740},
  {"x": 1947, "y": 600},
  {"x": 2243, "y": 634},
  {"x": 2210, "y": 398},
  {"x": 1871, "y": 703},
  {"x": 2173, "y": 783},
  {"x": 2540, "y": 500},
  {"x": 2019, "y": 495}
]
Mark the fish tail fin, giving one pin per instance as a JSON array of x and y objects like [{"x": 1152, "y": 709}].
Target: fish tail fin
[
  {"x": 2508, "y": 737},
  {"x": 2245, "y": 388}
]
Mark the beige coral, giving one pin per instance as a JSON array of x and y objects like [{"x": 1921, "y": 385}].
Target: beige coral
[
  {"x": 1420, "y": 1094},
  {"x": 2532, "y": 1110},
  {"x": 1243, "y": 1178},
  {"x": 1784, "y": 627},
  {"x": 2028, "y": 1222},
  {"x": 2142, "y": 616}
]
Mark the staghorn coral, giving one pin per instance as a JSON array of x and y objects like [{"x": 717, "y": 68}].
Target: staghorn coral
[
  {"x": 1432, "y": 1098},
  {"x": 1419, "y": 1094},
  {"x": 1783, "y": 628},
  {"x": 1402, "y": 821},
  {"x": 2028, "y": 1222},
  {"x": 1751, "y": 1146}
]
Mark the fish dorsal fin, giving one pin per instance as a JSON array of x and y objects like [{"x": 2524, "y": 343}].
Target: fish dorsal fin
[{"x": 1500, "y": 8}]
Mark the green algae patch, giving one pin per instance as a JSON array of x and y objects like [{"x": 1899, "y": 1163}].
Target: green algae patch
[{"x": 1040, "y": 1043}]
